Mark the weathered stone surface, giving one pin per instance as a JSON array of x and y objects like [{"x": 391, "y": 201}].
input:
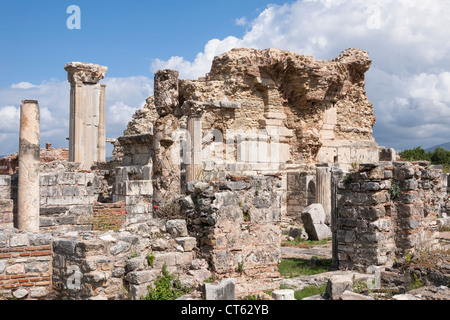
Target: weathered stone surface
[
  {"x": 21, "y": 293},
  {"x": 337, "y": 285},
  {"x": 29, "y": 159},
  {"x": 87, "y": 133},
  {"x": 314, "y": 218},
  {"x": 285, "y": 294},
  {"x": 187, "y": 243},
  {"x": 177, "y": 228},
  {"x": 405, "y": 296},
  {"x": 122, "y": 246},
  {"x": 387, "y": 214},
  {"x": 166, "y": 91},
  {"x": 350, "y": 295},
  {"x": 225, "y": 290},
  {"x": 200, "y": 275}
]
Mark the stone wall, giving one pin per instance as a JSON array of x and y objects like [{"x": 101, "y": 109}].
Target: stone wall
[
  {"x": 300, "y": 193},
  {"x": 121, "y": 265},
  {"x": 6, "y": 203},
  {"x": 133, "y": 184},
  {"x": 25, "y": 264},
  {"x": 237, "y": 225},
  {"x": 386, "y": 210},
  {"x": 67, "y": 199}
]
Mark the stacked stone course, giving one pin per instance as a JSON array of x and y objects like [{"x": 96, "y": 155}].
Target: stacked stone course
[
  {"x": 237, "y": 224},
  {"x": 25, "y": 264},
  {"x": 387, "y": 210}
]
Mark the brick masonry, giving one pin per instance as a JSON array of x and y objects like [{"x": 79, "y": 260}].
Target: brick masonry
[
  {"x": 109, "y": 216},
  {"x": 25, "y": 264}
]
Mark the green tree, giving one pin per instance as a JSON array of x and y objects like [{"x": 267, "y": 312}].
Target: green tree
[
  {"x": 415, "y": 154},
  {"x": 440, "y": 156}
]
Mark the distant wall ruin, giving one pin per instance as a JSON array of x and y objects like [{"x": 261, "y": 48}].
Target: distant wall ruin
[{"x": 387, "y": 210}]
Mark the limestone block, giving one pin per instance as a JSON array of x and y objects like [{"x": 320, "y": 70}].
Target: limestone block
[
  {"x": 137, "y": 291},
  {"x": 177, "y": 228},
  {"x": 314, "y": 219},
  {"x": 337, "y": 285},
  {"x": 19, "y": 240},
  {"x": 350, "y": 295},
  {"x": 225, "y": 290},
  {"x": 169, "y": 259},
  {"x": 122, "y": 246},
  {"x": 5, "y": 181},
  {"x": 143, "y": 277},
  {"x": 285, "y": 294},
  {"x": 187, "y": 243}
]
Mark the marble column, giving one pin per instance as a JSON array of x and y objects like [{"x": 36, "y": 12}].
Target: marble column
[
  {"x": 28, "y": 201},
  {"x": 87, "y": 143},
  {"x": 193, "y": 168},
  {"x": 323, "y": 190},
  {"x": 166, "y": 145}
]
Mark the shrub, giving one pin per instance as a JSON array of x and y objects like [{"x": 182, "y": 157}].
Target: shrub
[{"x": 166, "y": 288}]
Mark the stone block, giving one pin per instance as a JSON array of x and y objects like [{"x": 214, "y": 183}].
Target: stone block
[
  {"x": 19, "y": 240},
  {"x": 225, "y": 290},
  {"x": 314, "y": 218},
  {"x": 337, "y": 285},
  {"x": 137, "y": 291},
  {"x": 122, "y": 246},
  {"x": 286, "y": 294},
  {"x": 177, "y": 228},
  {"x": 135, "y": 264},
  {"x": 187, "y": 243},
  {"x": 5, "y": 181},
  {"x": 142, "y": 277},
  {"x": 350, "y": 295},
  {"x": 169, "y": 259}
]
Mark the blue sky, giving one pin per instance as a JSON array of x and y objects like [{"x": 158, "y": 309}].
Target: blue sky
[
  {"x": 409, "y": 82},
  {"x": 124, "y": 35}
]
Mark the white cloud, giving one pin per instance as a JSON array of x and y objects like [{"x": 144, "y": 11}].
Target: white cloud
[
  {"x": 407, "y": 40},
  {"x": 9, "y": 120},
  {"x": 23, "y": 85},
  {"x": 120, "y": 114},
  {"x": 241, "y": 21},
  {"x": 123, "y": 97}
]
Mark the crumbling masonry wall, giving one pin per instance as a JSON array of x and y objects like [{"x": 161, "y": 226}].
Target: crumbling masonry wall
[
  {"x": 258, "y": 112},
  {"x": 237, "y": 225},
  {"x": 25, "y": 264},
  {"x": 386, "y": 210}
]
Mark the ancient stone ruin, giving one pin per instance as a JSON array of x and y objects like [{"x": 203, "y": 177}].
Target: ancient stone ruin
[{"x": 205, "y": 176}]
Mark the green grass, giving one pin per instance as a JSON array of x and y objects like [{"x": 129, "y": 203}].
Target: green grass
[
  {"x": 310, "y": 291},
  {"x": 307, "y": 244},
  {"x": 290, "y": 268}
]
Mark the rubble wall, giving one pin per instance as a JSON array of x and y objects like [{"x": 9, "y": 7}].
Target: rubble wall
[
  {"x": 237, "y": 225},
  {"x": 25, "y": 264},
  {"x": 386, "y": 210},
  {"x": 6, "y": 202}
]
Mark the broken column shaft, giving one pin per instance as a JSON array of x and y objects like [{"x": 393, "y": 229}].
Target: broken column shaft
[
  {"x": 323, "y": 190},
  {"x": 87, "y": 139},
  {"x": 29, "y": 159},
  {"x": 166, "y": 145}
]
